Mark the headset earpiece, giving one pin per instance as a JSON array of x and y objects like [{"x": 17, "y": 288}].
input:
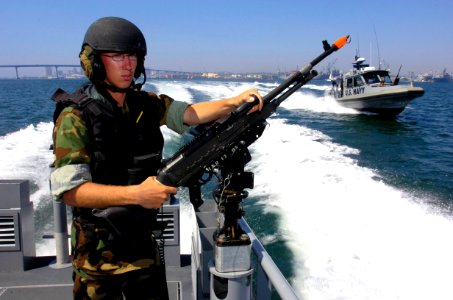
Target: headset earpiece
[
  {"x": 98, "y": 67},
  {"x": 85, "y": 61},
  {"x": 91, "y": 64}
]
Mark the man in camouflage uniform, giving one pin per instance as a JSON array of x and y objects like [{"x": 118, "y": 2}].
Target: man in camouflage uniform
[{"x": 108, "y": 145}]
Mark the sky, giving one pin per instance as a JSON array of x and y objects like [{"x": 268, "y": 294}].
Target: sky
[{"x": 239, "y": 36}]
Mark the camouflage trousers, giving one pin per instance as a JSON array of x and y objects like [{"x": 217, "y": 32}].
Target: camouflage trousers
[{"x": 142, "y": 284}]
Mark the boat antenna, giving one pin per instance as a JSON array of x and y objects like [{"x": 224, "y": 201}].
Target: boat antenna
[
  {"x": 397, "y": 78},
  {"x": 377, "y": 43},
  {"x": 357, "y": 52}
]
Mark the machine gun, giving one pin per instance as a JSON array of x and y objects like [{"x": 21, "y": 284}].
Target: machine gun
[
  {"x": 221, "y": 149},
  {"x": 219, "y": 142}
]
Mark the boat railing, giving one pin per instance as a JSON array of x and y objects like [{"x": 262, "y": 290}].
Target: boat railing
[
  {"x": 268, "y": 275},
  {"x": 267, "y": 280}
]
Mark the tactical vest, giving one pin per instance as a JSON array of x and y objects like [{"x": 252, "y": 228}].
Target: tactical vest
[{"x": 124, "y": 149}]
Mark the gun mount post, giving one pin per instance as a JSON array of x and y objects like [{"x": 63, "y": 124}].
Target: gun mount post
[{"x": 231, "y": 270}]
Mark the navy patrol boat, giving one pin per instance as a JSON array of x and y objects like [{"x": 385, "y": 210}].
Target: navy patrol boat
[{"x": 372, "y": 90}]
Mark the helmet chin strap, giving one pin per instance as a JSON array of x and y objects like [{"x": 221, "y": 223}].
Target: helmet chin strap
[{"x": 138, "y": 86}]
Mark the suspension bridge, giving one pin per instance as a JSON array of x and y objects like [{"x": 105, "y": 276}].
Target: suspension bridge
[{"x": 58, "y": 67}]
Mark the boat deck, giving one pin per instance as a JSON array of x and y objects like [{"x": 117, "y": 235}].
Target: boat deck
[
  {"x": 39, "y": 282},
  {"x": 46, "y": 282}
]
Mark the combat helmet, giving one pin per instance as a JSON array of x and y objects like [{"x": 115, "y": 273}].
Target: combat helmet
[{"x": 111, "y": 34}]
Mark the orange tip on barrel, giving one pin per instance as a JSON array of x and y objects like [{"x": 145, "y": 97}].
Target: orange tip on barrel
[{"x": 341, "y": 41}]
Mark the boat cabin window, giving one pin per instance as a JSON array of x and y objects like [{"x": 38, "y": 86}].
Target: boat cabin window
[
  {"x": 349, "y": 83},
  {"x": 381, "y": 76},
  {"x": 371, "y": 78},
  {"x": 358, "y": 81},
  {"x": 354, "y": 81},
  {"x": 387, "y": 79}
]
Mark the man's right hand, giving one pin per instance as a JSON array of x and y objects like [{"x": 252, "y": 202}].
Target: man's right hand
[{"x": 152, "y": 194}]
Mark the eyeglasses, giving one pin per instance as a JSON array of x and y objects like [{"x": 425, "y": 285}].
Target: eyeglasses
[{"x": 122, "y": 57}]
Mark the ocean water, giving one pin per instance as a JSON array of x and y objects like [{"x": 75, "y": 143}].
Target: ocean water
[{"x": 349, "y": 205}]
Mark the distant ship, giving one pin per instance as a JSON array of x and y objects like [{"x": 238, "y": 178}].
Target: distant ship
[{"x": 444, "y": 77}]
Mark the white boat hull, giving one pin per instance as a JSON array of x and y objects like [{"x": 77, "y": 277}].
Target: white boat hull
[{"x": 388, "y": 100}]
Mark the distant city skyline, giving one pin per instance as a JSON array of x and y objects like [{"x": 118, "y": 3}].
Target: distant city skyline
[{"x": 239, "y": 36}]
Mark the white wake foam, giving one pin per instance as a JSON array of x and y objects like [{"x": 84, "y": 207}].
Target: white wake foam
[
  {"x": 25, "y": 154},
  {"x": 352, "y": 236}
]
